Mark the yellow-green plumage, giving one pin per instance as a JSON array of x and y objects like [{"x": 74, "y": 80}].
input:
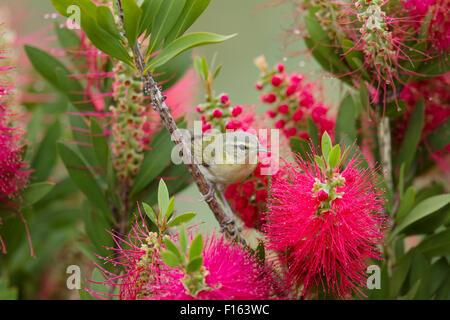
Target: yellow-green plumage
[{"x": 236, "y": 160}]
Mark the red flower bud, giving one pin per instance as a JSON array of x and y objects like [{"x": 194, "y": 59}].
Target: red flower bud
[
  {"x": 280, "y": 124},
  {"x": 322, "y": 195},
  {"x": 271, "y": 113},
  {"x": 269, "y": 98},
  {"x": 283, "y": 109},
  {"x": 224, "y": 98},
  {"x": 206, "y": 127},
  {"x": 237, "y": 110},
  {"x": 217, "y": 113},
  {"x": 280, "y": 67},
  {"x": 298, "y": 115},
  {"x": 291, "y": 90},
  {"x": 258, "y": 86},
  {"x": 276, "y": 81}
]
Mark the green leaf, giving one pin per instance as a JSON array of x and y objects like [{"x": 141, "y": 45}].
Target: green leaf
[
  {"x": 168, "y": 14},
  {"x": 183, "y": 239},
  {"x": 401, "y": 269},
  {"x": 260, "y": 251},
  {"x": 7, "y": 292},
  {"x": 313, "y": 132},
  {"x": 412, "y": 137},
  {"x": 57, "y": 75},
  {"x": 345, "y": 128},
  {"x": 62, "y": 6},
  {"x": 83, "y": 178},
  {"x": 182, "y": 218},
  {"x": 163, "y": 198},
  {"x": 132, "y": 16},
  {"x": 170, "y": 259},
  {"x": 301, "y": 147},
  {"x": 436, "y": 245},
  {"x": 102, "y": 39},
  {"x": 67, "y": 38},
  {"x": 196, "y": 247},
  {"x": 36, "y": 191},
  {"x": 422, "y": 210},
  {"x": 45, "y": 158},
  {"x": 182, "y": 44},
  {"x": 195, "y": 264},
  {"x": 150, "y": 9},
  {"x": 354, "y": 58},
  {"x": 105, "y": 19},
  {"x": 100, "y": 143},
  {"x": 326, "y": 145},
  {"x": 173, "y": 248},
  {"x": 334, "y": 156},
  {"x": 191, "y": 11},
  {"x": 170, "y": 207},
  {"x": 406, "y": 203},
  {"x": 150, "y": 214}
]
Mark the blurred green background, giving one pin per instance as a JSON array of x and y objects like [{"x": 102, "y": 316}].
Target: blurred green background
[{"x": 260, "y": 30}]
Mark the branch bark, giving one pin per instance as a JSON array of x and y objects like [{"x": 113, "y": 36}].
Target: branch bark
[{"x": 227, "y": 222}]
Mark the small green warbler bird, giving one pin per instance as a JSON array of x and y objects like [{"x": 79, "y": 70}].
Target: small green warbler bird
[{"x": 226, "y": 158}]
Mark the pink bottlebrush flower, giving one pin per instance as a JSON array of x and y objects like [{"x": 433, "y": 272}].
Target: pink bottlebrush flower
[
  {"x": 229, "y": 271},
  {"x": 325, "y": 243},
  {"x": 181, "y": 95},
  {"x": 231, "y": 274},
  {"x": 14, "y": 172}
]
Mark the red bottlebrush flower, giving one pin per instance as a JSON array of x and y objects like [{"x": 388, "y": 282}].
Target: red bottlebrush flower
[
  {"x": 237, "y": 110},
  {"x": 283, "y": 109},
  {"x": 217, "y": 113},
  {"x": 325, "y": 244},
  {"x": 439, "y": 24},
  {"x": 276, "y": 81}
]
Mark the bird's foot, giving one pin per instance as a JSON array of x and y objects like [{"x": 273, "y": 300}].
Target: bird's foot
[{"x": 210, "y": 195}]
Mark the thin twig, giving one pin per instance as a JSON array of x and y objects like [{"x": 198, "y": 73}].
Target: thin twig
[{"x": 151, "y": 88}]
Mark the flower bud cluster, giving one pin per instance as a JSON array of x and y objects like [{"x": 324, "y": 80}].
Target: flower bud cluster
[
  {"x": 218, "y": 113},
  {"x": 292, "y": 101},
  {"x": 326, "y": 192},
  {"x": 130, "y": 129}
]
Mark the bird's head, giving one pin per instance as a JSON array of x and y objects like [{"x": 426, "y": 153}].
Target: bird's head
[{"x": 242, "y": 146}]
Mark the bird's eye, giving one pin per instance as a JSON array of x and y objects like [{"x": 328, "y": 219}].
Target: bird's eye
[{"x": 243, "y": 147}]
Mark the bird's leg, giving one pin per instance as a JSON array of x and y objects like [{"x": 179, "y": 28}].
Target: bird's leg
[
  {"x": 210, "y": 195},
  {"x": 220, "y": 191}
]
